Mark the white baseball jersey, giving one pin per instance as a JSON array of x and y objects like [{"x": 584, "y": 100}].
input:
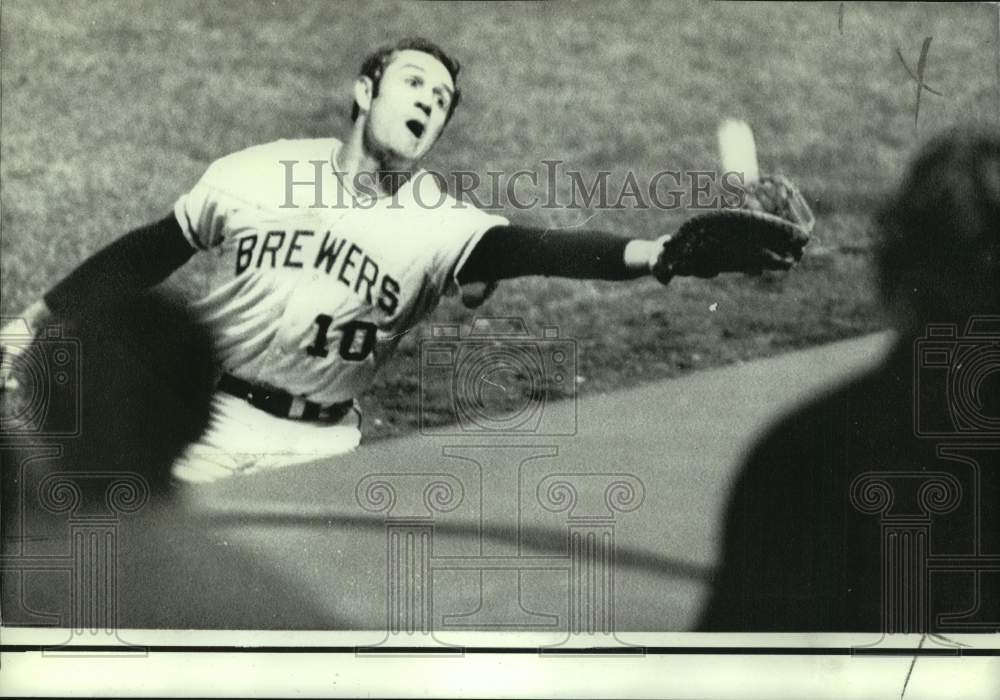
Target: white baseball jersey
[{"x": 312, "y": 286}]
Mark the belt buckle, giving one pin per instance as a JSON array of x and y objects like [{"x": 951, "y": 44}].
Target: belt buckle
[{"x": 297, "y": 408}]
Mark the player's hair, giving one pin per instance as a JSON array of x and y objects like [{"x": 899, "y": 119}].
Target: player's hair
[
  {"x": 375, "y": 64},
  {"x": 938, "y": 251}
]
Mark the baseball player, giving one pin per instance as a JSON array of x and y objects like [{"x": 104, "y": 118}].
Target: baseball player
[{"x": 326, "y": 252}]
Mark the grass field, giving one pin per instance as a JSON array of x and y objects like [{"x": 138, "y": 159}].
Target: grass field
[{"x": 109, "y": 114}]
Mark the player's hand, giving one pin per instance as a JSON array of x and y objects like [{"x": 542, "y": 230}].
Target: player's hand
[
  {"x": 16, "y": 336},
  {"x": 768, "y": 232}
]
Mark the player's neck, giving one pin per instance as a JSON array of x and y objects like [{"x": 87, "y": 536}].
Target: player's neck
[{"x": 358, "y": 161}]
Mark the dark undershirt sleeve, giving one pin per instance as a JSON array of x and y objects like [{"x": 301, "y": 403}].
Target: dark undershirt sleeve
[
  {"x": 516, "y": 251},
  {"x": 136, "y": 261}
]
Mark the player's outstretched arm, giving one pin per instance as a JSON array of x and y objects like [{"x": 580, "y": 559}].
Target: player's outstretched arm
[
  {"x": 768, "y": 231},
  {"x": 505, "y": 252},
  {"x": 137, "y": 261}
]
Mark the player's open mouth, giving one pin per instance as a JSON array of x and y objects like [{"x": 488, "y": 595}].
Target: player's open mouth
[{"x": 415, "y": 127}]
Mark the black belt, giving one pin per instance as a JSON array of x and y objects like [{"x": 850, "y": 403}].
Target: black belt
[{"x": 281, "y": 403}]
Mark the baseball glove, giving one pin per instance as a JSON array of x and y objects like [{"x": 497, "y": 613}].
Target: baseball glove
[{"x": 767, "y": 232}]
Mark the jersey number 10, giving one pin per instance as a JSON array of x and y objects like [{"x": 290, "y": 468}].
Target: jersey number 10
[{"x": 357, "y": 339}]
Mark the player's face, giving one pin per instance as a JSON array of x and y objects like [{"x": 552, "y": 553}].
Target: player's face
[{"x": 411, "y": 108}]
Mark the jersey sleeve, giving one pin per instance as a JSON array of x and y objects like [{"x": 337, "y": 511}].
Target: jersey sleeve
[
  {"x": 461, "y": 227},
  {"x": 202, "y": 213},
  {"x": 248, "y": 179}
]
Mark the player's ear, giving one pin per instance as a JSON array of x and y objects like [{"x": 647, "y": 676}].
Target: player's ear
[{"x": 363, "y": 93}]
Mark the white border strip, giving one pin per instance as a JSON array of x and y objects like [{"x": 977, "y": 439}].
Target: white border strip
[{"x": 521, "y": 675}]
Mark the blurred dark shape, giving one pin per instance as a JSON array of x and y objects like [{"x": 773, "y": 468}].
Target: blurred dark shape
[
  {"x": 800, "y": 553},
  {"x": 938, "y": 252},
  {"x": 146, "y": 376}
]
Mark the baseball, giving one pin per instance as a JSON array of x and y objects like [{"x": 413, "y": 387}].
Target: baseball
[{"x": 737, "y": 150}]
